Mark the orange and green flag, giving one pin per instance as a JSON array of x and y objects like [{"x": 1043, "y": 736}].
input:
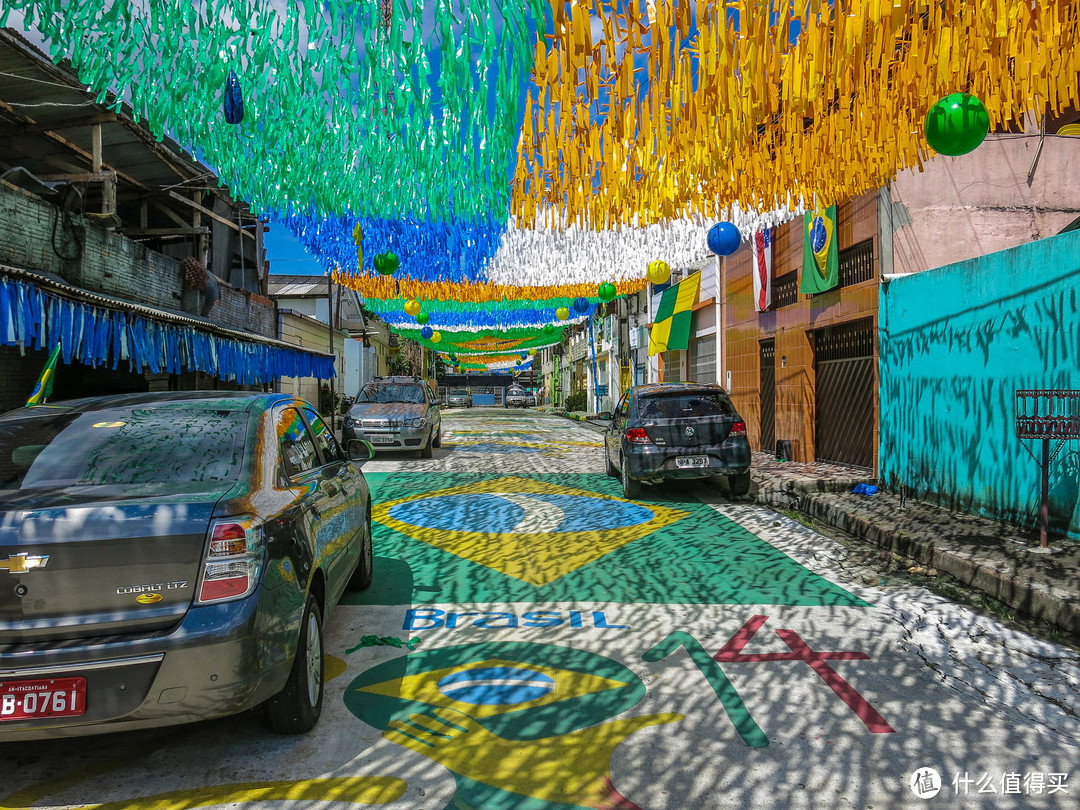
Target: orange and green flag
[
  {"x": 671, "y": 327},
  {"x": 44, "y": 384},
  {"x": 821, "y": 257}
]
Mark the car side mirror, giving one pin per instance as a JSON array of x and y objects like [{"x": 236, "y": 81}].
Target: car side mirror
[
  {"x": 605, "y": 415},
  {"x": 361, "y": 451}
]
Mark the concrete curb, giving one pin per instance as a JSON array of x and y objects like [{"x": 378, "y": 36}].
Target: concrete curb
[{"x": 885, "y": 524}]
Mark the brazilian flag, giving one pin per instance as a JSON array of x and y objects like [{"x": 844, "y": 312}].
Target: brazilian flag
[
  {"x": 44, "y": 384},
  {"x": 821, "y": 259},
  {"x": 671, "y": 327}
]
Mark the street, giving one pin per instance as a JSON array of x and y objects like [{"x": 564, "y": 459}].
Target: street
[{"x": 532, "y": 640}]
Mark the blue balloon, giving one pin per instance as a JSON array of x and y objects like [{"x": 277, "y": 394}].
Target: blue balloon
[
  {"x": 724, "y": 239},
  {"x": 427, "y": 332},
  {"x": 582, "y": 306},
  {"x": 234, "y": 99},
  {"x": 524, "y": 355}
]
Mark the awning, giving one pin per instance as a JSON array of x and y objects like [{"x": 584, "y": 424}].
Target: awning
[{"x": 38, "y": 312}]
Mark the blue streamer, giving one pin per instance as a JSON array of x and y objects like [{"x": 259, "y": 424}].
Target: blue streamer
[{"x": 95, "y": 336}]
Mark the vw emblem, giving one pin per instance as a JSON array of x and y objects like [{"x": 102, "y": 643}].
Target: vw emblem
[{"x": 689, "y": 431}]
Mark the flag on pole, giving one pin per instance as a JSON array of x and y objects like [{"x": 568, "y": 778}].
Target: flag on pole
[
  {"x": 671, "y": 328},
  {"x": 44, "y": 384},
  {"x": 761, "y": 246},
  {"x": 821, "y": 257}
]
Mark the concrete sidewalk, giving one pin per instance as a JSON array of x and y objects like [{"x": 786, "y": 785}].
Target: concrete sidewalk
[{"x": 997, "y": 559}]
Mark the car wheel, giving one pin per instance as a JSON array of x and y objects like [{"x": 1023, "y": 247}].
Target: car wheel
[
  {"x": 425, "y": 452},
  {"x": 739, "y": 484},
  {"x": 296, "y": 708},
  {"x": 437, "y": 441},
  {"x": 365, "y": 567},
  {"x": 609, "y": 468},
  {"x": 631, "y": 489}
]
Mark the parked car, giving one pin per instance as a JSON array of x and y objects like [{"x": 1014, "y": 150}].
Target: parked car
[
  {"x": 515, "y": 397},
  {"x": 171, "y": 557},
  {"x": 530, "y": 399},
  {"x": 460, "y": 398},
  {"x": 677, "y": 430},
  {"x": 395, "y": 413}
]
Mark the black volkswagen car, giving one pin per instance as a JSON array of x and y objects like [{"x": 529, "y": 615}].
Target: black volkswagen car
[
  {"x": 677, "y": 430},
  {"x": 166, "y": 558}
]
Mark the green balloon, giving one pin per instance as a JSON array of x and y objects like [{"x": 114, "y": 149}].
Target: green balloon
[
  {"x": 549, "y": 329},
  {"x": 422, "y": 318},
  {"x": 957, "y": 124},
  {"x": 607, "y": 291},
  {"x": 386, "y": 263}
]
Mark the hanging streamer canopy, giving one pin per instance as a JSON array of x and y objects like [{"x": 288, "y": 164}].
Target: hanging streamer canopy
[
  {"x": 499, "y": 296},
  {"x": 678, "y": 109},
  {"x": 466, "y": 344},
  {"x": 515, "y": 155},
  {"x": 351, "y": 106}
]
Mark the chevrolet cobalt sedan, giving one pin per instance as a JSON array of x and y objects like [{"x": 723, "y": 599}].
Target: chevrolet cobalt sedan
[
  {"x": 170, "y": 557},
  {"x": 677, "y": 430}
]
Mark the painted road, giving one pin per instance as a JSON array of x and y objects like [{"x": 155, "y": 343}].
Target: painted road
[{"x": 535, "y": 642}]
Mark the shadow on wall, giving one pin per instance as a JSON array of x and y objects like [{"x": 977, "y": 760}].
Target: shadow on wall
[{"x": 956, "y": 344}]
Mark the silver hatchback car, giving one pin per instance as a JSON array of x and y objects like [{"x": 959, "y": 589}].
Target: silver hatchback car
[{"x": 395, "y": 413}]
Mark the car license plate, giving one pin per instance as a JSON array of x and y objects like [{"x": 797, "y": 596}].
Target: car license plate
[
  {"x": 683, "y": 462},
  {"x": 375, "y": 438},
  {"x": 47, "y": 697}
]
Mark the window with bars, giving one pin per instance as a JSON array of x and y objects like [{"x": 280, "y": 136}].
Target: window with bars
[
  {"x": 856, "y": 263},
  {"x": 786, "y": 289}
]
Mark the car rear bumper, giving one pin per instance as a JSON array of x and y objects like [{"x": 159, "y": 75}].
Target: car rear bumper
[
  {"x": 653, "y": 462},
  {"x": 220, "y": 660}
]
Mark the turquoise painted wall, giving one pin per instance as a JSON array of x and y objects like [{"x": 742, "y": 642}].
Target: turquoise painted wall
[{"x": 955, "y": 344}]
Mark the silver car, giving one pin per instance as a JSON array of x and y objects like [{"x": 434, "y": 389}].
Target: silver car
[
  {"x": 395, "y": 413},
  {"x": 460, "y": 398},
  {"x": 515, "y": 397}
]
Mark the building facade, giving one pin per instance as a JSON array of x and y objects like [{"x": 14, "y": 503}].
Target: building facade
[{"x": 123, "y": 250}]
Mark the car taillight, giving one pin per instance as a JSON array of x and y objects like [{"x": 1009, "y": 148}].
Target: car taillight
[
  {"x": 234, "y": 558},
  {"x": 638, "y": 436},
  {"x": 737, "y": 429}
]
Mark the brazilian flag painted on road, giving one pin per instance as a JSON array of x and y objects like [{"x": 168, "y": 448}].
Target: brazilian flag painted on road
[
  {"x": 671, "y": 328},
  {"x": 821, "y": 260},
  {"x": 43, "y": 388}
]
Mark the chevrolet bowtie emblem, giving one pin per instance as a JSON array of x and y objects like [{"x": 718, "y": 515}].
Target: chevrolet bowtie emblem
[{"x": 21, "y": 563}]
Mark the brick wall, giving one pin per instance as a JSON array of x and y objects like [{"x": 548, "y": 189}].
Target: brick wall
[
  {"x": 115, "y": 265},
  {"x": 791, "y": 327}
]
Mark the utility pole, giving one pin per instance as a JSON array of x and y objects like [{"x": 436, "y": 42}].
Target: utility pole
[{"x": 330, "y": 330}]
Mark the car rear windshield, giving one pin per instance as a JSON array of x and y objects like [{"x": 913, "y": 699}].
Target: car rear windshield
[
  {"x": 681, "y": 405},
  {"x": 123, "y": 447},
  {"x": 391, "y": 392},
  {"x": 460, "y": 392}
]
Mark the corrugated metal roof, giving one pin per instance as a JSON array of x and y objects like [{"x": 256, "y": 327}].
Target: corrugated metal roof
[{"x": 297, "y": 286}]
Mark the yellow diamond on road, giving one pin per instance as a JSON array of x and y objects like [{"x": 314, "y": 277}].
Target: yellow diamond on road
[{"x": 530, "y": 530}]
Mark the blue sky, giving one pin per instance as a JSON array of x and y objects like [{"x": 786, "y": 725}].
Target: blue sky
[{"x": 287, "y": 255}]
